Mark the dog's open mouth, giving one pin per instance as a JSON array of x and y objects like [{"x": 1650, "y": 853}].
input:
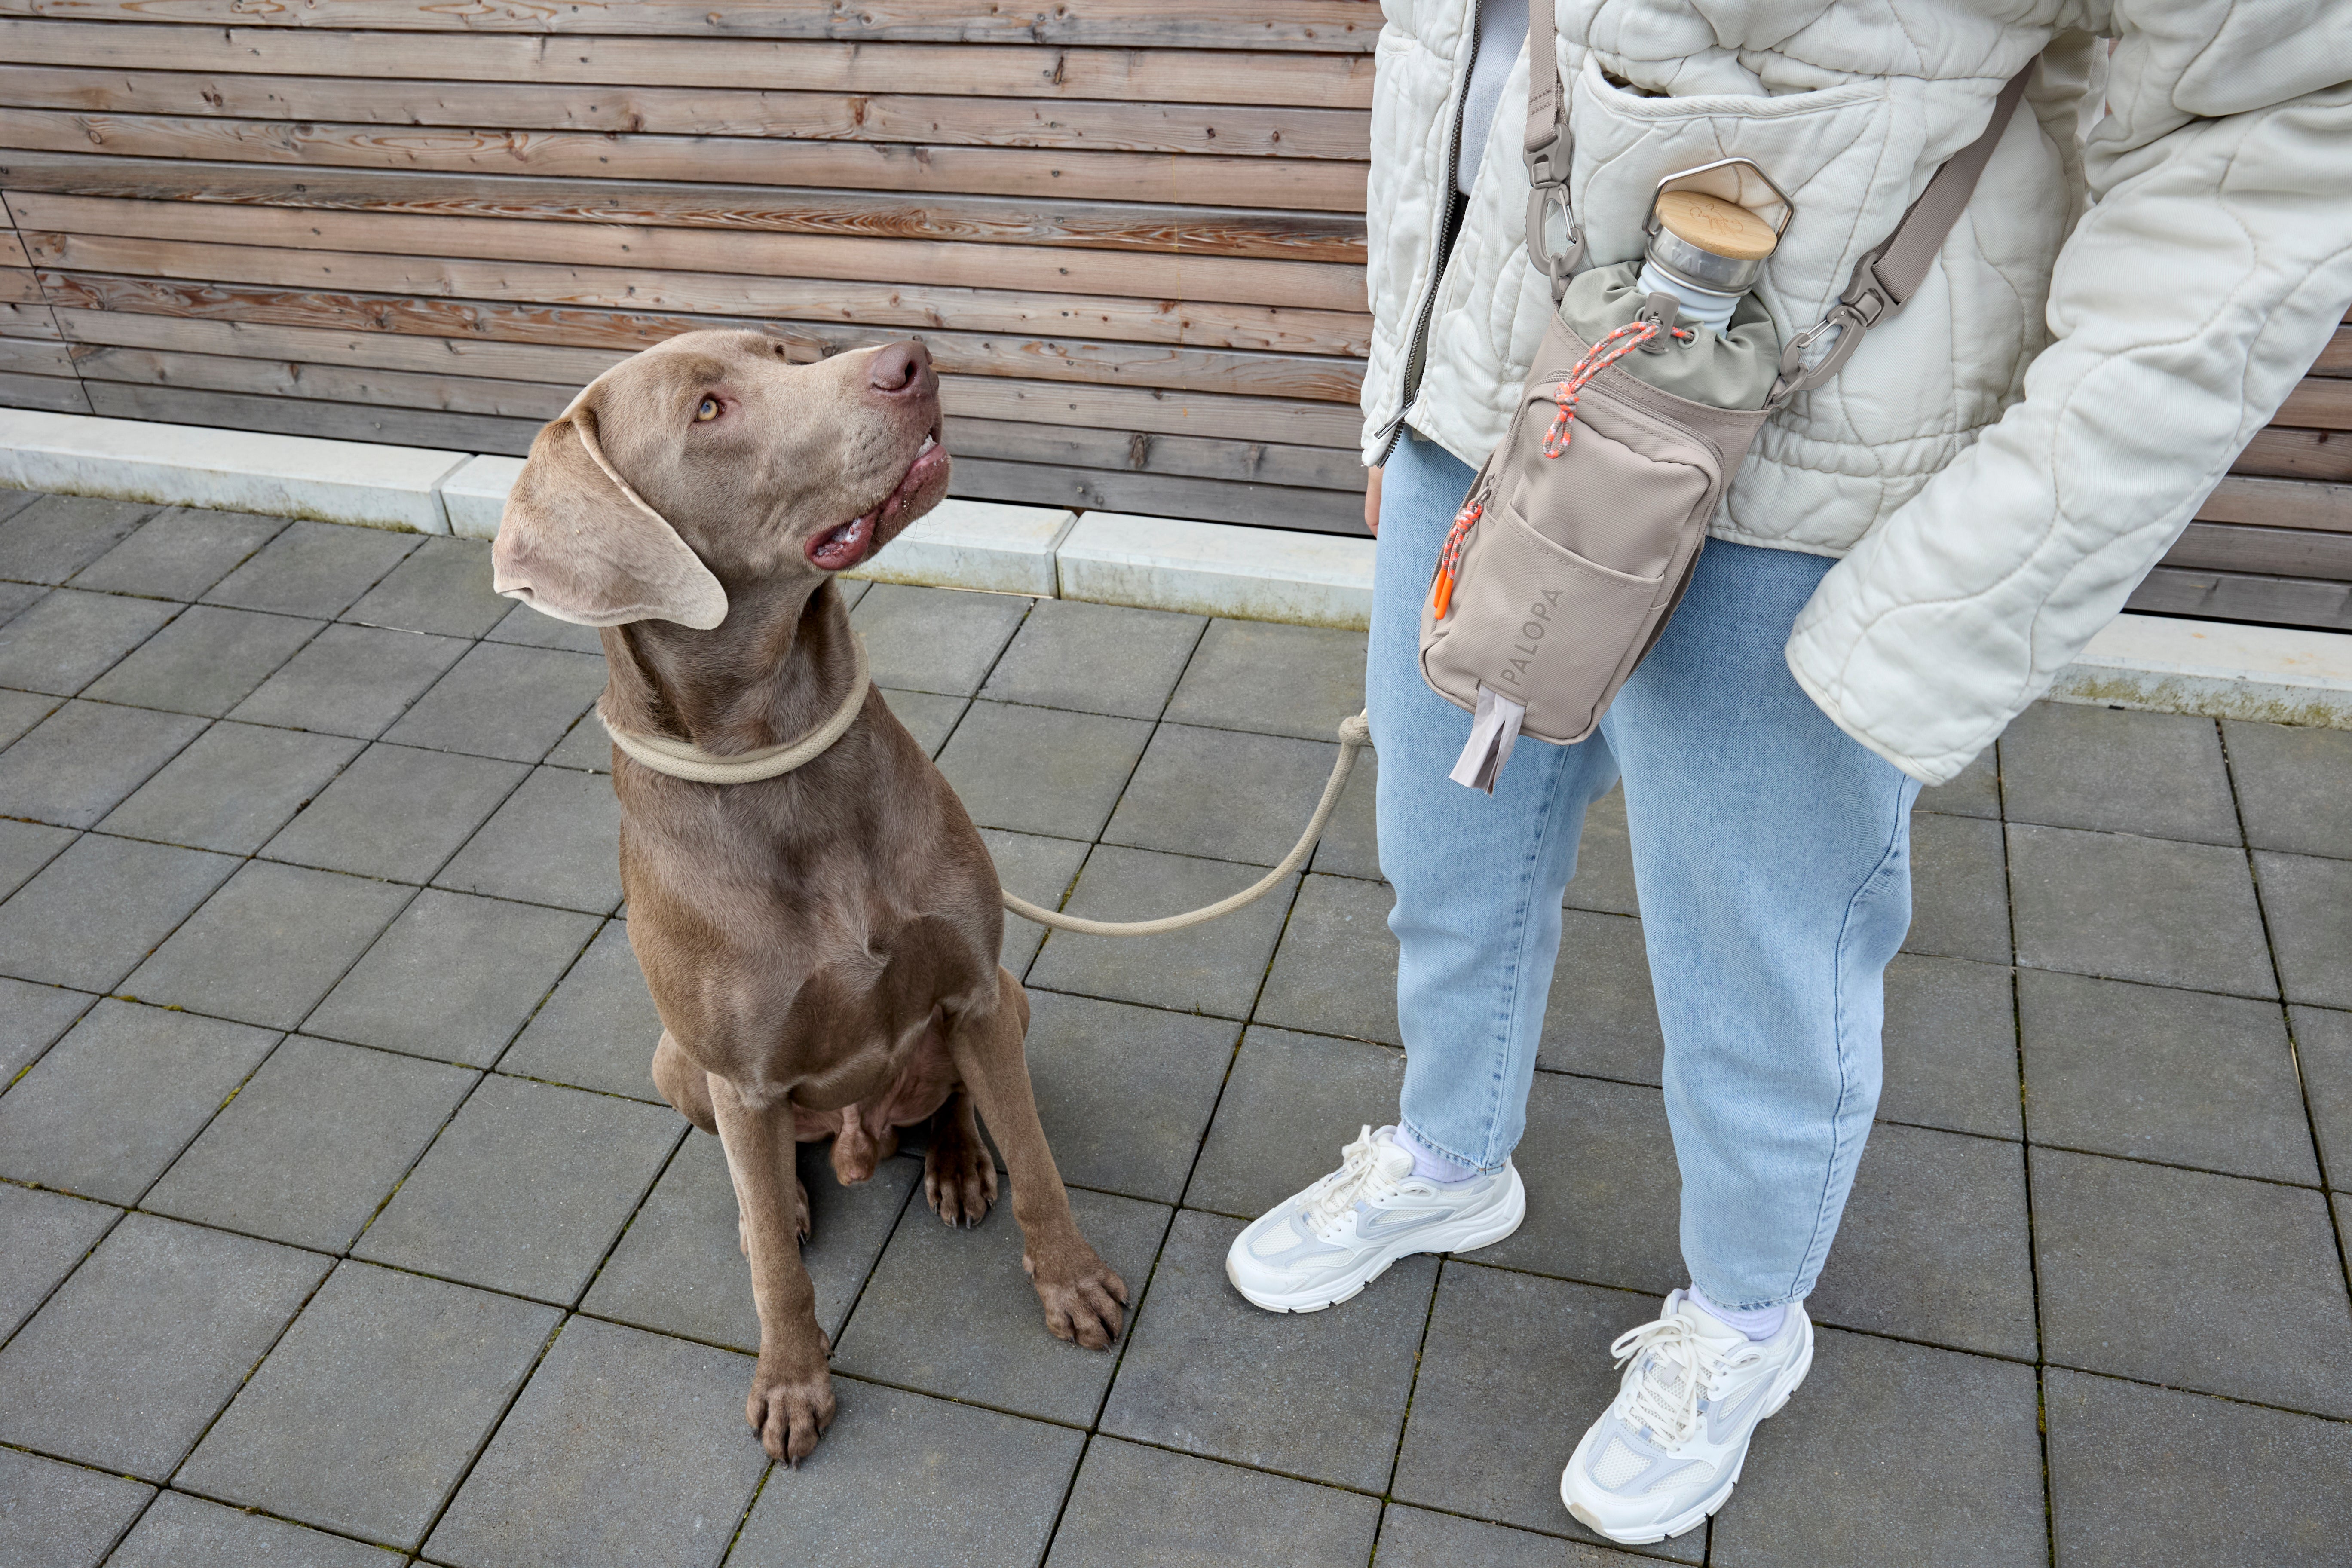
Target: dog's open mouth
[{"x": 838, "y": 549}]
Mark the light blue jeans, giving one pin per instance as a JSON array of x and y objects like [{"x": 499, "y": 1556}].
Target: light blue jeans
[{"x": 1772, "y": 857}]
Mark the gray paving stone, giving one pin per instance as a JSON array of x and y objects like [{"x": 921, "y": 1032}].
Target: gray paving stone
[
  {"x": 184, "y": 1531},
  {"x": 1950, "y": 1047},
  {"x": 1212, "y": 1374},
  {"x": 94, "y": 913},
  {"x": 1134, "y": 1505},
  {"x": 313, "y": 1143},
  {"x": 428, "y": 1366},
  {"x": 2291, "y": 789},
  {"x": 2137, "y": 1475},
  {"x": 2071, "y": 764},
  {"x": 1416, "y": 1538},
  {"x": 951, "y": 1311},
  {"x": 1935, "y": 1245},
  {"x": 1602, "y": 1017},
  {"x": 14, "y": 501},
  {"x": 207, "y": 661},
  {"x": 270, "y": 944},
  {"x": 1292, "y": 1103},
  {"x": 114, "y": 1103},
  {"x": 454, "y": 977},
  {"x": 56, "y": 536},
  {"x": 2323, "y": 1041},
  {"x": 1042, "y": 870},
  {"x": 444, "y": 585},
  {"x": 130, "y": 1361},
  {"x": 2181, "y": 1077},
  {"x": 180, "y": 552},
  {"x": 625, "y": 1449},
  {"x": 935, "y": 639},
  {"x": 1892, "y": 1453},
  {"x": 1350, "y": 845},
  {"x": 1096, "y": 658},
  {"x": 70, "y": 638},
  {"x": 1514, "y": 1368},
  {"x": 25, "y": 847},
  {"x": 43, "y": 1236},
  {"x": 534, "y": 628},
  {"x": 1214, "y": 968},
  {"x": 61, "y": 1516},
  {"x": 2309, "y": 901},
  {"x": 902, "y": 1479},
  {"x": 555, "y": 841},
  {"x": 314, "y": 569},
  {"x": 85, "y": 758},
  {"x": 397, "y": 813},
  {"x": 1597, "y": 1161},
  {"x": 851, "y": 589},
  {"x": 1335, "y": 970},
  {"x": 1604, "y": 860},
  {"x": 927, "y": 716},
  {"x": 1220, "y": 794},
  {"x": 1975, "y": 793},
  {"x": 16, "y": 598},
  {"x": 351, "y": 681},
  {"x": 2138, "y": 908},
  {"x": 1959, "y": 896},
  {"x": 1126, "y": 1092},
  {"x": 598, "y": 1029},
  {"x": 233, "y": 788},
  {"x": 1274, "y": 679},
  {"x": 585, "y": 745},
  {"x": 525, "y": 1190},
  {"x": 2200, "y": 1281},
  {"x": 32, "y": 1017},
  {"x": 503, "y": 701},
  {"x": 680, "y": 1268},
  {"x": 20, "y": 711},
  {"x": 1041, "y": 770}
]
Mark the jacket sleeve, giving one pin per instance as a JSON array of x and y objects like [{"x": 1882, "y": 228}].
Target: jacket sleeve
[{"x": 2211, "y": 268}]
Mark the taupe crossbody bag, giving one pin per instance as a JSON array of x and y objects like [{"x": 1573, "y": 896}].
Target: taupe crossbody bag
[{"x": 1579, "y": 533}]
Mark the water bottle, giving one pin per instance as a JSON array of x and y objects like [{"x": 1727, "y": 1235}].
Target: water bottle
[{"x": 1707, "y": 252}]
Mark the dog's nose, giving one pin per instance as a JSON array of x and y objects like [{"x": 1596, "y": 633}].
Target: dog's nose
[{"x": 901, "y": 369}]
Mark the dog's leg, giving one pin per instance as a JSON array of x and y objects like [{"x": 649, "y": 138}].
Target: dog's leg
[
  {"x": 1080, "y": 1294},
  {"x": 792, "y": 1392},
  {"x": 959, "y": 1172},
  {"x": 685, "y": 1085}
]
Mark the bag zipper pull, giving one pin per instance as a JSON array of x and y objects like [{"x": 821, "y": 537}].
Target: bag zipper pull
[{"x": 1449, "y": 559}]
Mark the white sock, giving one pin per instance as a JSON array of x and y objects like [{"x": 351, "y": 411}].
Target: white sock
[
  {"x": 1756, "y": 1322},
  {"x": 1428, "y": 1164}
]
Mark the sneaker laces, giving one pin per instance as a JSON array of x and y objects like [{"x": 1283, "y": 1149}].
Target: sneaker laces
[
  {"x": 1675, "y": 1365},
  {"x": 1360, "y": 1176}
]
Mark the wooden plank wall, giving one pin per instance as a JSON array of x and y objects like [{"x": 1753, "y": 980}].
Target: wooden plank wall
[{"x": 1130, "y": 231}]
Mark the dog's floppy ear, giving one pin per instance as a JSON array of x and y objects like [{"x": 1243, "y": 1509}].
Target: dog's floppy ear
[{"x": 577, "y": 542}]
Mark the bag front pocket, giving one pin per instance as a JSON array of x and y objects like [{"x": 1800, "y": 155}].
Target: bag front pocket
[{"x": 1539, "y": 623}]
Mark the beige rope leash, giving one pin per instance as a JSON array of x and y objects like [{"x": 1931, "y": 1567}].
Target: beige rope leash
[
  {"x": 1353, "y": 735},
  {"x": 684, "y": 760}
]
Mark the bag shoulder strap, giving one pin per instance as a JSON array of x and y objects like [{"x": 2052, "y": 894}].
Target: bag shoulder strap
[
  {"x": 1883, "y": 280},
  {"x": 1889, "y": 275}
]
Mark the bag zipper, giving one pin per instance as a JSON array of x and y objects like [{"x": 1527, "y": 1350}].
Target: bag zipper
[{"x": 1391, "y": 433}]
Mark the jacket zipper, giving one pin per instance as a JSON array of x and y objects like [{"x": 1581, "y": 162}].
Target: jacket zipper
[{"x": 1418, "y": 346}]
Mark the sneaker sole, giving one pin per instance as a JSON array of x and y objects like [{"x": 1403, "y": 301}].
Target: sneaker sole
[
  {"x": 1697, "y": 1514},
  {"x": 1484, "y": 1230}
]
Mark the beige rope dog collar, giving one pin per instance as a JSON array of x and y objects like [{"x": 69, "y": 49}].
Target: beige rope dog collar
[{"x": 685, "y": 760}]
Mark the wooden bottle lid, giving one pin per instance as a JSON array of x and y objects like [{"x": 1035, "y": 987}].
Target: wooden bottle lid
[{"x": 1713, "y": 225}]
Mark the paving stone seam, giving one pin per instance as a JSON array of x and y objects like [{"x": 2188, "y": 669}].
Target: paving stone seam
[
  {"x": 129, "y": 1524},
  {"x": 120, "y": 1214},
  {"x": 2286, "y": 1015},
  {"x": 71, "y": 1024}
]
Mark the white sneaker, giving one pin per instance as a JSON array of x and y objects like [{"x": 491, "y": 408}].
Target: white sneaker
[
  {"x": 1338, "y": 1236},
  {"x": 1667, "y": 1451}
]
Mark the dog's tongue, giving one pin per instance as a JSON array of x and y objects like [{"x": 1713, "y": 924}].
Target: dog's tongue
[{"x": 843, "y": 547}]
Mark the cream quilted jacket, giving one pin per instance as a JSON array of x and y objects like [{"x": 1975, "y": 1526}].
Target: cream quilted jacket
[{"x": 2128, "y": 298}]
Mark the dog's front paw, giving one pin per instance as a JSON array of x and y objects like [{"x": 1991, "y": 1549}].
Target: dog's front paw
[
  {"x": 1081, "y": 1295},
  {"x": 790, "y": 1407},
  {"x": 959, "y": 1179}
]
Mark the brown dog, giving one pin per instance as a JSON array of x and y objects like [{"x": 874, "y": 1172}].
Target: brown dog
[{"x": 823, "y": 945}]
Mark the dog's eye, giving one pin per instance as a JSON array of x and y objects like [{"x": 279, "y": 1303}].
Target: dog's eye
[{"x": 709, "y": 410}]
